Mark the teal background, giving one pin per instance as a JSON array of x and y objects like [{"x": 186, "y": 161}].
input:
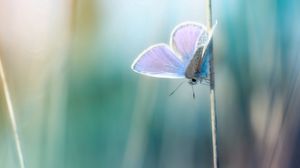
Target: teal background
[{"x": 79, "y": 105}]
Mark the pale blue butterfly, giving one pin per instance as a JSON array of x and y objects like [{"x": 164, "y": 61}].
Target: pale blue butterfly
[{"x": 187, "y": 56}]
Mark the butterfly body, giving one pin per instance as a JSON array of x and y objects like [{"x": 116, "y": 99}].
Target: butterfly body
[
  {"x": 193, "y": 70},
  {"x": 187, "y": 56}
]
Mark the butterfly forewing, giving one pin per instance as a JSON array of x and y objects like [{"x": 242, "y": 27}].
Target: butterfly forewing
[{"x": 159, "y": 61}]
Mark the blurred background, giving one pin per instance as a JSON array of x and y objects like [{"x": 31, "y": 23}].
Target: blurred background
[{"x": 79, "y": 105}]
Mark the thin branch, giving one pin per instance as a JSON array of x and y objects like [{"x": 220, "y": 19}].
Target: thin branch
[
  {"x": 11, "y": 116},
  {"x": 213, "y": 111}
]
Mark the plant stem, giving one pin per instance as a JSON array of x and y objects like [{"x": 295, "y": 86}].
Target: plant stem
[
  {"x": 213, "y": 115},
  {"x": 214, "y": 127},
  {"x": 11, "y": 116}
]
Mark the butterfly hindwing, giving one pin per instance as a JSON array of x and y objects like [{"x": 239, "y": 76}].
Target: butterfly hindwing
[{"x": 184, "y": 39}]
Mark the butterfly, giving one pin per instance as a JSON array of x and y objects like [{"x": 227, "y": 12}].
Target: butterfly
[{"x": 187, "y": 56}]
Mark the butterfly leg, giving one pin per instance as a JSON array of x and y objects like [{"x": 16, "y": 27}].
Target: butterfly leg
[{"x": 205, "y": 82}]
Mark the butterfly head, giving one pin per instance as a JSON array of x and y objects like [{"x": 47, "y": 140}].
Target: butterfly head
[
  {"x": 193, "y": 81},
  {"x": 201, "y": 80}
]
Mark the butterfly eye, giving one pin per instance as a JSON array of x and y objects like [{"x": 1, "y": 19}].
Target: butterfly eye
[{"x": 194, "y": 80}]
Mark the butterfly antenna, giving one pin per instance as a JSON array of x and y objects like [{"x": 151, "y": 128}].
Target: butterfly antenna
[
  {"x": 176, "y": 88},
  {"x": 193, "y": 92}
]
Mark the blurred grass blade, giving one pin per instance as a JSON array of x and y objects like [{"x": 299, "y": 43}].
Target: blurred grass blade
[{"x": 11, "y": 115}]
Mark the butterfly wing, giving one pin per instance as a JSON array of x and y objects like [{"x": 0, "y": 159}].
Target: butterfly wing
[
  {"x": 159, "y": 61},
  {"x": 207, "y": 51},
  {"x": 204, "y": 67},
  {"x": 184, "y": 39}
]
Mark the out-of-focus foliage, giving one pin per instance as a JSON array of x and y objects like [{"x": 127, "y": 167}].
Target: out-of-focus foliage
[{"x": 78, "y": 104}]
